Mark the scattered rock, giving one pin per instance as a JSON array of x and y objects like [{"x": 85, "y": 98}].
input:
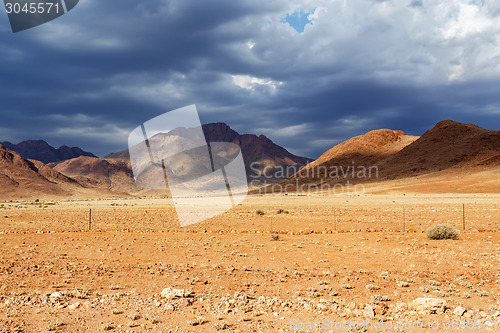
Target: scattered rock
[
  {"x": 459, "y": 311},
  {"x": 74, "y": 306},
  {"x": 381, "y": 309},
  {"x": 368, "y": 311},
  {"x": 429, "y": 305},
  {"x": 372, "y": 287},
  {"x": 403, "y": 284},
  {"x": 57, "y": 294},
  {"x": 171, "y": 293},
  {"x": 379, "y": 298}
]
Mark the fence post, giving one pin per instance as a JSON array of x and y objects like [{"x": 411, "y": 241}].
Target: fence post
[
  {"x": 90, "y": 219},
  {"x": 335, "y": 218},
  {"x": 463, "y": 216},
  {"x": 404, "y": 219}
]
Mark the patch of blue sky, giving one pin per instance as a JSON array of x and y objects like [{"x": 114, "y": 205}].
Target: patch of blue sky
[{"x": 298, "y": 19}]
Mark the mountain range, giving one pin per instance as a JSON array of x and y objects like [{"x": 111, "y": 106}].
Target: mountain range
[
  {"x": 259, "y": 152},
  {"x": 113, "y": 174},
  {"x": 451, "y": 154},
  {"x": 41, "y": 151}
]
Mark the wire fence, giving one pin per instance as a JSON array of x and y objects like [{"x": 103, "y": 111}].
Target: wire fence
[{"x": 287, "y": 219}]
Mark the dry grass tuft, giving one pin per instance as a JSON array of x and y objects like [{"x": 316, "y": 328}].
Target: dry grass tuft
[{"x": 442, "y": 231}]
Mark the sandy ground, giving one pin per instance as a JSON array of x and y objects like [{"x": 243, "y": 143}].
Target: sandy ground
[{"x": 338, "y": 258}]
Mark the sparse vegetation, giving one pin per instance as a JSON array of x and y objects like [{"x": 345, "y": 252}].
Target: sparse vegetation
[
  {"x": 221, "y": 326},
  {"x": 153, "y": 320},
  {"x": 246, "y": 318},
  {"x": 424, "y": 289},
  {"x": 372, "y": 287},
  {"x": 403, "y": 284},
  {"x": 260, "y": 212},
  {"x": 107, "y": 327},
  {"x": 379, "y": 298},
  {"x": 442, "y": 231},
  {"x": 197, "y": 321},
  {"x": 275, "y": 237},
  {"x": 81, "y": 293},
  {"x": 282, "y": 211},
  {"x": 53, "y": 325},
  {"x": 135, "y": 316},
  {"x": 245, "y": 308}
]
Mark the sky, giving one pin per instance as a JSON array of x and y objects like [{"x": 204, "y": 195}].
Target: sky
[{"x": 307, "y": 74}]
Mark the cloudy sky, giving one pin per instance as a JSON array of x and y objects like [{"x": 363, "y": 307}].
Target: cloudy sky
[{"x": 308, "y": 74}]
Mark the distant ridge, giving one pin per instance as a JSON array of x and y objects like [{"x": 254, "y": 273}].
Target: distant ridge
[
  {"x": 41, "y": 151},
  {"x": 258, "y": 151}
]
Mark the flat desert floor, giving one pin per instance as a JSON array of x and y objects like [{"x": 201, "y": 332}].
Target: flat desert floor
[{"x": 308, "y": 260}]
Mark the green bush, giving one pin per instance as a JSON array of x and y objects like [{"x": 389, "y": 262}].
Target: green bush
[
  {"x": 442, "y": 231},
  {"x": 275, "y": 237},
  {"x": 259, "y": 212},
  {"x": 282, "y": 211}
]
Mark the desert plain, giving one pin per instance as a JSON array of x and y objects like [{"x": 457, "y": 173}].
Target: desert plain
[{"x": 275, "y": 263}]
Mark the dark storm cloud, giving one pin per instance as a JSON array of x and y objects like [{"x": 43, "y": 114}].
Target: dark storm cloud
[{"x": 91, "y": 76}]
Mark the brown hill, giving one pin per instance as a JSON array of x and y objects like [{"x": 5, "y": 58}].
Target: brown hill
[
  {"x": 448, "y": 145},
  {"x": 110, "y": 174},
  {"x": 366, "y": 149},
  {"x": 361, "y": 152},
  {"x": 23, "y": 178},
  {"x": 445, "y": 151}
]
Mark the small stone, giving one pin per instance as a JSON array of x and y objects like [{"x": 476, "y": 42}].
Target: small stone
[
  {"x": 381, "y": 309},
  {"x": 187, "y": 301},
  {"x": 368, "y": 311},
  {"x": 429, "y": 305},
  {"x": 459, "y": 311},
  {"x": 172, "y": 293},
  {"x": 57, "y": 294},
  {"x": 74, "y": 306}
]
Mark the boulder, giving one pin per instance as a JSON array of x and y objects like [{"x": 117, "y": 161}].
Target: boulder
[
  {"x": 171, "y": 293},
  {"x": 429, "y": 305}
]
